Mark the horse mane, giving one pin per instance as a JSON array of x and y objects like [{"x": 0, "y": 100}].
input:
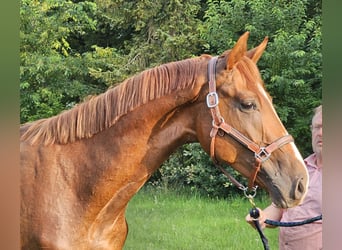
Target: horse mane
[{"x": 101, "y": 112}]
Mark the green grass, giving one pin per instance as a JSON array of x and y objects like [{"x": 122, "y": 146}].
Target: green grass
[{"x": 167, "y": 220}]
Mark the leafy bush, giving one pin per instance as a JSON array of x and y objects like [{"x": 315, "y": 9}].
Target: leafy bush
[{"x": 192, "y": 168}]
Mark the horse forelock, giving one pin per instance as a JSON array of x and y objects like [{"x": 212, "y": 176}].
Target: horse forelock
[
  {"x": 250, "y": 73},
  {"x": 102, "y": 111}
]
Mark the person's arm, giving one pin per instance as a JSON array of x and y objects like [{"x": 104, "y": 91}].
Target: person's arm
[{"x": 271, "y": 212}]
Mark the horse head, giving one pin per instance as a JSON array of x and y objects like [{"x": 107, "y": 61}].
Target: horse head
[{"x": 245, "y": 130}]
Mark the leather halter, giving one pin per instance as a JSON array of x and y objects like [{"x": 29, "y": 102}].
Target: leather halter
[{"x": 261, "y": 154}]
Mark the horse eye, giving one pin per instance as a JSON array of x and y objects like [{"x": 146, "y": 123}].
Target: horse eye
[{"x": 248, "y": 106}]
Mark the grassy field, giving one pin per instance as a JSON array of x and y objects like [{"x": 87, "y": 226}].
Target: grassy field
[{"x": 169, "y": 220}]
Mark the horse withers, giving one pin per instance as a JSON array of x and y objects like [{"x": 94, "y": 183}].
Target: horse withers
[{"x": 80, "y": 169}]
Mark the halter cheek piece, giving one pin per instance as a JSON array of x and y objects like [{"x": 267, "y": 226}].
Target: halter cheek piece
[{"x": 261, "y": 154}]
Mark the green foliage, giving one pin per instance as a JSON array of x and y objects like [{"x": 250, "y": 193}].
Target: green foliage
[
  {"x": 45, "y": 26},
  {"x": 72, "y": 49},
  {"x": 52, "y": 74},
  {"x": 152, "y": 32}
]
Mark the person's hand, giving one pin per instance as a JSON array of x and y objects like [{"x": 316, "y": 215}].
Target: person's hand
[{"x": 261, "y": 219}]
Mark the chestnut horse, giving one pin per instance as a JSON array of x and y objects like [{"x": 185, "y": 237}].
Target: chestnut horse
[{"x": 80, "y": 169}]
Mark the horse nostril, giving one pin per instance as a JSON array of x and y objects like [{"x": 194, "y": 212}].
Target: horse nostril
[{"x": 299, "y": 189}]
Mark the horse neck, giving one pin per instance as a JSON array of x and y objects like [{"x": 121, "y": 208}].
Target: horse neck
[
  {"x": 148, "y": 137},
  {"x": 136, "y": 146},
  {"x": 143, "y": 138}
]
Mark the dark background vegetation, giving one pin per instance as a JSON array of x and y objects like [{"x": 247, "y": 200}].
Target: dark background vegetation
[{"x": 72, "y": 49}]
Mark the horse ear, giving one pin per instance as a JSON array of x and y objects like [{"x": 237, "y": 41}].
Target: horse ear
[
  {"x": 255, "y": 54},
  {"x": 238, "y": 51}
]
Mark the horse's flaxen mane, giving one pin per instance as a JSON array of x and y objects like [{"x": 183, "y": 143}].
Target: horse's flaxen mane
[{"x": 102, "y": 111}]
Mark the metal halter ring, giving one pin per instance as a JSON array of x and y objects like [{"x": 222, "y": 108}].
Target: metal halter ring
[
  {"x": 249, "y": 195},
  {"x": 262, "y": 155}
]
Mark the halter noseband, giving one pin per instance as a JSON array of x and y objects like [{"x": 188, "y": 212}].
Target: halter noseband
[{"x": 261, "y": 154}]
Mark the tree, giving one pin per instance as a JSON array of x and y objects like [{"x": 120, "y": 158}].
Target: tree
[
  {"x": 54, "y": 76},
  {"x": 151, "y": 32}
]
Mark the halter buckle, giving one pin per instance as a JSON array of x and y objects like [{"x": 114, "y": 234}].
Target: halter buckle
[
  {"x": 262, "y": 155},
  {"x": 212, "y": 100}
]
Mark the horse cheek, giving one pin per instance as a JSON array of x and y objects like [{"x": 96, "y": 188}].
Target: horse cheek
[{"x": 225, "y": 151}]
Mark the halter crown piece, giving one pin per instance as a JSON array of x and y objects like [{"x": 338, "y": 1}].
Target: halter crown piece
[{"x": 261, "y": 154}]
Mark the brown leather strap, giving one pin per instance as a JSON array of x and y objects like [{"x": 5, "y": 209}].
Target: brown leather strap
[
  {"x": 279, "y": 143},
  {"x": 257, "y": 166},
  {"x": 212, "y": 97}
]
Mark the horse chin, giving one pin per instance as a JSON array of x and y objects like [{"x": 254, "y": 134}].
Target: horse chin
[{"x": 280, "y": 200}]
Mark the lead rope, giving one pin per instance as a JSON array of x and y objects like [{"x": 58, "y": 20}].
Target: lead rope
[
  {"x": 255, "y": 214},
  {"x": 292, "y": 224}
]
